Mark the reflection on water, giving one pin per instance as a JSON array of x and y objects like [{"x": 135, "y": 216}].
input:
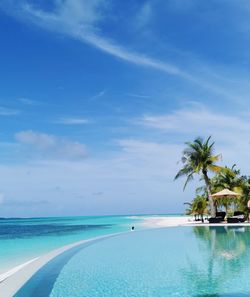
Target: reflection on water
[
  {"x": 177, "y": 262},
  {"x": 226, "y": 257}
]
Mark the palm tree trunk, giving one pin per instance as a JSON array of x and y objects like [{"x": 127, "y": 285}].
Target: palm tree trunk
[{"x": 208, "y": 186}]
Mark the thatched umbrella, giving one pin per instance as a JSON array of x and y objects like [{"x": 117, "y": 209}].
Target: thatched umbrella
[{"x": 226, "y": 193}]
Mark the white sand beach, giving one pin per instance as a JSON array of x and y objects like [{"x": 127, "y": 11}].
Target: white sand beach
[{"x": 168, "y": 221}]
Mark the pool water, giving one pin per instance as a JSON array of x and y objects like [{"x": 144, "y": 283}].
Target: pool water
[{"x": 180, "y": 261}]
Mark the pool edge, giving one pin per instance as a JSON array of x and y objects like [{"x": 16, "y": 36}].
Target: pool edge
[{"x": 10, "y": 285}]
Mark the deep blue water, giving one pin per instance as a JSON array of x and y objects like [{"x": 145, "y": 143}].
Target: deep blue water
[{"x": 29, "y": 231}]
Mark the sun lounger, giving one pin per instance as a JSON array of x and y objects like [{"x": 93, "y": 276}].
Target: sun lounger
[
  {"x": 238, "y": 217},
  {"x": 219, "y": 217}
]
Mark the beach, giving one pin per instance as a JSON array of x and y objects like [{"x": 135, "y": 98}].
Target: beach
[{"x": 171, "y": 221}]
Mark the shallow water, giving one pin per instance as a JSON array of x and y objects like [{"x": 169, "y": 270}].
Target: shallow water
[
  {"x": 24, "y": 239},
  {"x": 179, "y": 261}
]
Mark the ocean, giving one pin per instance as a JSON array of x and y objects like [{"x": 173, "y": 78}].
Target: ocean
[{"x": 24, "y": 239}]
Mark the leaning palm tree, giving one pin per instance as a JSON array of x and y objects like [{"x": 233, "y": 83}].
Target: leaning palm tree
[{"x": 198, "y": 158}]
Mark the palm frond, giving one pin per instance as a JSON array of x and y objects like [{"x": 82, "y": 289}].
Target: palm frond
[
  {"x": 189, "y": 178},
  {"x": 215, "y": 168}
]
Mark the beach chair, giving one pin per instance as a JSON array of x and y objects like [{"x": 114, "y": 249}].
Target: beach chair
[
  {"x": 219, "y": 217},
  {"x": 238, "y": 217}
]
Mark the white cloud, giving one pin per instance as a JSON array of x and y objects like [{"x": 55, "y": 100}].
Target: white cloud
[
  {"x": 72, "y": 121},
  {"x": 151, "y": 160},
  {"x": 231, "y": 133},
  {"x": 197, "y": 119},
  {"x": 144, "y": 168},
  {"x": 51, "y": 146},
  {"x": 41, "y": 141},
  {"x": 4, "y": 111}
]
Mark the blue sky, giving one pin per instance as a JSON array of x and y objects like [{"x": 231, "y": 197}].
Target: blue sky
[{"x": 98, "y": 97}]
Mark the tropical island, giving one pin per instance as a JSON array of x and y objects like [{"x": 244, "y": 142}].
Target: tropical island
[{"x": 227, "y": 189}]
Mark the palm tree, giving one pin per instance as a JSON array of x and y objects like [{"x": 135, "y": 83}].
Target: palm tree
[
  {"x": 227, "y": 178},
  {"x": 243, "y": 200},
  {"x": 198, "y": 158},
  {"x": 198, "y": 207}
]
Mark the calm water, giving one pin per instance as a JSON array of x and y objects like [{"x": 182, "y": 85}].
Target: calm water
[
  {"x": 181, "y": 261},
  {"x": 24, "y": 239}
]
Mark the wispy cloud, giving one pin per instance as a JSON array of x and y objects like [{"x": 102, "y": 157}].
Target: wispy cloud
[
  {"x": 197, "y": 119},
  {"x": 72, "y": 121},
  {"x": 51, "y": 146},
  {"x": 98, "y": 95},
  {"x": 82, "y": 20},
  {"x": 79, "y": 19},
  {"x": 138, "y": 95},
  {"x": 5, "y": 111},
  {"x": 27, "y": 101}
]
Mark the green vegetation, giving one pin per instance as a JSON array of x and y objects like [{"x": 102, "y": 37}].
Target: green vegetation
[
  {"x": 198, "y": 207},
  {"x": 198, "y": 158}
]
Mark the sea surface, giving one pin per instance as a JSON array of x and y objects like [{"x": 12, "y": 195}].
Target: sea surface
[{"x": 25, "y": 239}]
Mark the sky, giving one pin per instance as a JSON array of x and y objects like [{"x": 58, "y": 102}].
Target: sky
[{"x": 98, "y": 97}]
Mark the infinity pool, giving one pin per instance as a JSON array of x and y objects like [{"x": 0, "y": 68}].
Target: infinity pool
[{"x": 181, "y": 261}]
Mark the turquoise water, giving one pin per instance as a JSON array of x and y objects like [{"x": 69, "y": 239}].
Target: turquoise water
[
  {"x": 181, "y": 261},
  {"x": 24, "y": 239}
]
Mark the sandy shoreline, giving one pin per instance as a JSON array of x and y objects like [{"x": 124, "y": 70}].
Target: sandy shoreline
[
  {"x": 159, "y": 221},
  {"x": 12, "y": 280}
]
